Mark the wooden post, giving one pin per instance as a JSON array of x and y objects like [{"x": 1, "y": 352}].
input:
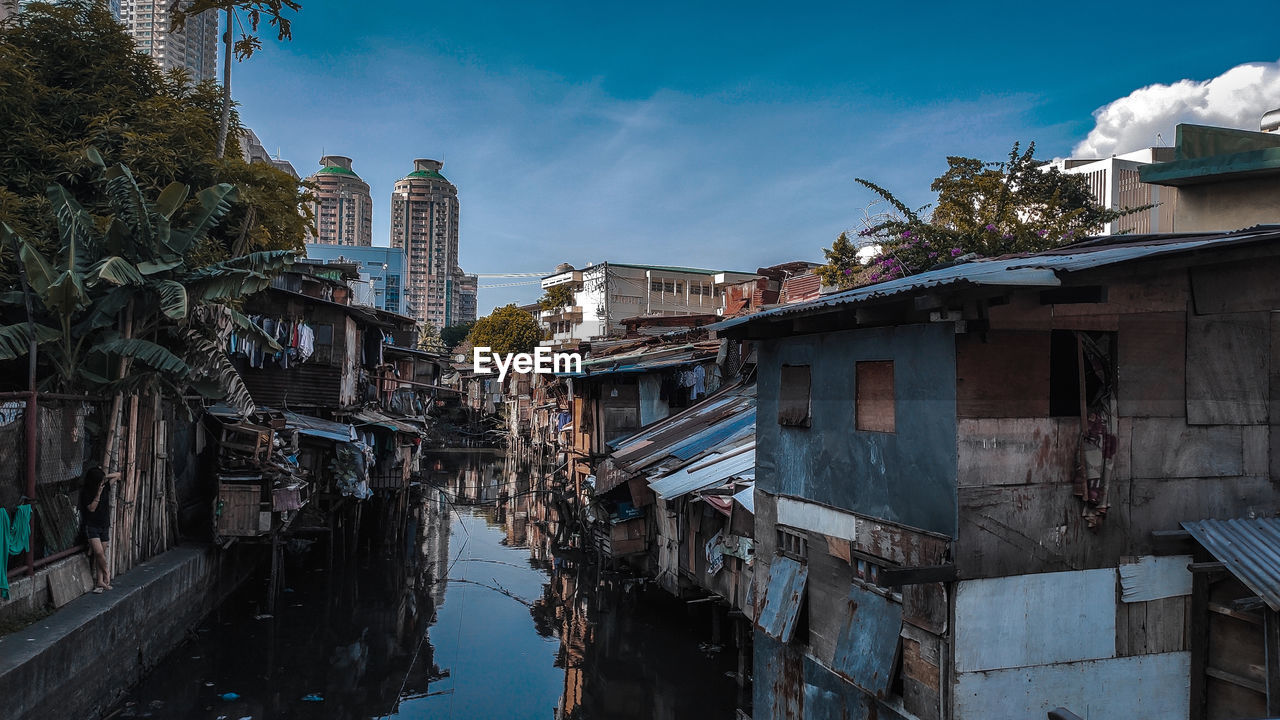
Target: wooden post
[
  {"x": 1199, "y": 643},
  {"x": 1271, "y": 621}
]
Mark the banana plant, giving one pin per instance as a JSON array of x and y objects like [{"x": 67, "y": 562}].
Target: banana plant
[{"x": 133, "y": 263}]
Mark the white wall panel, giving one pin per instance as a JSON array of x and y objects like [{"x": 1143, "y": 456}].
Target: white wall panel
[{"x": 1035, "y": 619}]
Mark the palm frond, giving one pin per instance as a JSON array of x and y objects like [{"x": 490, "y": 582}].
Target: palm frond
[
  {"x": 115, "y": 270},
  {"x": 75, "y": 228},
  {"x": 173, "y": 299},
  {"x": 214, "y": 374},
  {"x": 15, "y": 340},
  {"x": 151, "y": 354},
  {"x": 129, "y": 204},
  {"x": 215, "y": 203}
]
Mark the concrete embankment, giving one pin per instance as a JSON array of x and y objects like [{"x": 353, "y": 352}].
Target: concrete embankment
[{"x": 75, "y": 662}]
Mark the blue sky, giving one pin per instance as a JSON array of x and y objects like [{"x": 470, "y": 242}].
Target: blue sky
[{"x": 717, "y": 135}]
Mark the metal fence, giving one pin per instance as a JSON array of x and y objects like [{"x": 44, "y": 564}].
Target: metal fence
[{"x": 43, "y": 456}]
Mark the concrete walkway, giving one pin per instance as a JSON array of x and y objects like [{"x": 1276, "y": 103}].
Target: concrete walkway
[{"x": 75, "y": 662}]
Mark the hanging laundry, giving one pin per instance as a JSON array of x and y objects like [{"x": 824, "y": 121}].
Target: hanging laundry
[
  {"x": 15, "y": 538},
  {"x": 699, "y": 376}
]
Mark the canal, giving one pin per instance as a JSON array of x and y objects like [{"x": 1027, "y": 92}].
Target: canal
[{"x": 478, "y": 613}]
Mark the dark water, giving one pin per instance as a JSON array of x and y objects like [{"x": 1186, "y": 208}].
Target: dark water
[{"x": 479, "y": 615}]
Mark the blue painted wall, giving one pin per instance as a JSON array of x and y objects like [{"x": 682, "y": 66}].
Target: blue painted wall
[{"x": 908, "y": 476}]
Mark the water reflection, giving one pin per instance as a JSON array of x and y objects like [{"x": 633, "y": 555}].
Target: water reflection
[{"x": 484, "y": 614}]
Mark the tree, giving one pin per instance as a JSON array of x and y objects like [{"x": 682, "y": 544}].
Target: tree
[
  {"x": 73, "y": 80},
  {"x": 507, "y": 330},
  {"x": 429, "y": 337},
  {"x": 120, "y": 290},
  {"x": 453, "y": 335},
  {"x": 983, "y": 209},
  {"x": 556, "y": 297},
  {"x": 243, "y": 48}
]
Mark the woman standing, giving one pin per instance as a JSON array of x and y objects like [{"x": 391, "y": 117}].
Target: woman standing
[{"x": 95, "y": 506}]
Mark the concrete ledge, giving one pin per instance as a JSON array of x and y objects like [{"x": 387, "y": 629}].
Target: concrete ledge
[{"x": 74, "y": 663}]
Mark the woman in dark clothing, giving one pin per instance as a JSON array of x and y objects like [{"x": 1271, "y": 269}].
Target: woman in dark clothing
[{"x": 95, "y": 508}]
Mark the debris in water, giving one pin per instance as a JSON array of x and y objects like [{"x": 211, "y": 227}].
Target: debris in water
[
  {"x": 230, "y": 696},
  {"x": 312, "y": 697}
]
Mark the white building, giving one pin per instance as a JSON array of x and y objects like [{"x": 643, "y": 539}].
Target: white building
[
  {"x": 606, "y": 294},
  {"x": 194, "y": 49},
  {"x": 1115, "y": 184}
]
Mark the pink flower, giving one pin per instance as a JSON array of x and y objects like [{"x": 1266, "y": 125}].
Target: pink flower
[
  {"x": 991, "y": 228},
  {"x": 955, "y": 252}
]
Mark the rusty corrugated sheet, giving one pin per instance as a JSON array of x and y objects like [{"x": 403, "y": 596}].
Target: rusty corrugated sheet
[
  {"x": 1249, "y": 547},
  {"x": 782, "y": 598},
  {"x": 868, "y": 643},
  {"x": 305, "y": 385},
  {"x": 1038, "y": 270}
]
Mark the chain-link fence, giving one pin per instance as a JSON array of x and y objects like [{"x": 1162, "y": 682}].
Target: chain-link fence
[{"x": 68, "y": 440}]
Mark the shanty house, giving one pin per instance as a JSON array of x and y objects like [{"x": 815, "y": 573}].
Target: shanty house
[{"x": 996, "y": 488}]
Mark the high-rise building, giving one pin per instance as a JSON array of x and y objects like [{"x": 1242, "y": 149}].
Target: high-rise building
[
  {"x": 9, "y": 7},
  {"x": 424, "y": 221},
  {"x": 468, "y": 294},
  {"x": 252, "y": 150},
  {"x": 384, "y": 267},
  {"x": 343, "y": 206},
  {"x": 1115, "y": 185},
  {"x": 194, "y": 48}
]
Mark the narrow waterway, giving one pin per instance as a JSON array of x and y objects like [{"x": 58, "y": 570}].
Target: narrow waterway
[{"x": 477, "y": 615}]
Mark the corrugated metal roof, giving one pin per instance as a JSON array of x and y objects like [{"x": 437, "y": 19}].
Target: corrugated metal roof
[
  {"x": 646, "y": 361},
  {"x": 712, "y": 471},
  {"x": 373, "y": 417},
  {"x": 1039, "y": 270},
  {"x": 1250, "y": 548},
  {"x": 317, "y": 427}
]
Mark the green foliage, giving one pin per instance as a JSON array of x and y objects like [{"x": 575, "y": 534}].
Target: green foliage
[
  {"x": 127, "y": 269},
  {"x": 429, "y": 338},
  {"x": 507, "y": 330},
  {"x": 556, "y": 297},
  {"x": 71, "y": 80},
  {"x": 255, "y": 10},
  {"x": 983, "y": 208},
  {"x": 453, "y": 335}
]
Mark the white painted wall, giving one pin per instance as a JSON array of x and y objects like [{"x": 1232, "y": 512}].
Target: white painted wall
[
  {"x": 1035, "y": 619},
  {"x": 1143, "y": 687}
]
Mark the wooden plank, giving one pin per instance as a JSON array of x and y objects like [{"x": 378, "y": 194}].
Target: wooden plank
[
  {"x": 1016, "y": 451},
  {"x": 1169, "y": 448},
  {"x": 1199, "y": 641},
  {"x": 1005, "y": 376},
  {"x": 1236, "y": 680},
  {"x": 899, "y": 576},
  {"x": 1236, "y": 287},
  {"x": 1151, "y": 365},
  {"x": 1228, "y": 381},
  {"x": 874, "y": 396},
  {"x": 1236, "y": 647},
  {"x": 925, "y": 606},
  {"x": 793, "y": 395},
  {"x": 1271, "y": 644}
]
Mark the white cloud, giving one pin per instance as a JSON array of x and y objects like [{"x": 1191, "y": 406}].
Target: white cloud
[{"x": 1236, "y": 99}]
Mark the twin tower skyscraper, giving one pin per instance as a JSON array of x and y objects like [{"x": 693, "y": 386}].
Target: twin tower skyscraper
[{"x": 424, "y": 225}]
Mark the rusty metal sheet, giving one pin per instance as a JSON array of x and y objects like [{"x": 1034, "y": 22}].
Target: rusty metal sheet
[
  {"x": 867, "y": 646},
  {"x": 778, "y": 683},
  {"x": 783, "y": 597}
]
